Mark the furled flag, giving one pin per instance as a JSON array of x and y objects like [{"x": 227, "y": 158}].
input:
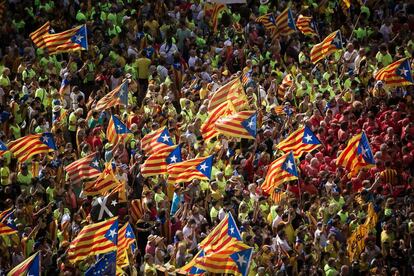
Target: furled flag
[
  {"x": 94, "y": 239},
  {"x": 104, "y": 266},
  {"x": 222, "y": 251},
  {"x": 126, "y": 240},
  {"x": 396, "y": 74},
  {"x": 3, "y": 148},
  {"x": 305, "y": 24},
  {"x": 286, "y": 84},
  {"x": 268, "y": 21},
  {"x": 136, "y": 210},
  {"x": 156, "y": 140},
  {"x": 68, "y": 41},
  {"x": 117, "y": 96},
  {"x": 300, "y": 141},
  {"x": 86, "y": 169},
  {"x": 232, "y": 91},
  {"x": 7, "y": 224},
  {"x": 208, "y": 128},
  {"x": 32, "y": 144},
  {"x": 330, "y": 44},
  {"x": 106, "y": 181},
  {"x": 117, "y": 131},
  {"x": 198, "y": 168},
  {"x": 104, "y": 207},
  {"x": 356, "y": 155},
  {"x": 37, "y": 35},
  {"x": 280, "y": 171},
  {"x": 30, "y": 266},
  {"x": 214, "y": 10},
  {"x": 157, "y": 163},
  {"x": 246, "y": 78},
  {"x": 285, "y": 23},
  {"x": 241, "y": 125}
]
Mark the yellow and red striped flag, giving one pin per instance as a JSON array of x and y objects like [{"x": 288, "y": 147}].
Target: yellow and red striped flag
[
  {"x": 85, "y": 169},
  {"x": 213, "y": 10},
  {"x": 241, "y": 125},
  {"x": 280, "y": 171},
  {"x": 329, "y": 45},
  {"x": 37, "y": 35},
  {"x": 396, "y": 74},
  {"x": 268, "y": 21},
  {"x": 305, "y": 25},
  {"x": 157, "y": 163},
  {"x": 356, "y": 155},
  {"x": 30, "y": 145},
  {"x": 286, "y": 84},
  {"x": 208, "y": 128},
  {"x": 30, "y": 266},
  {"x": 156, "y": 140},
  {"x": 300, "y": 141},
  {"x": 285, "y": 23},
  {"x": 94, "y": 239},
  {"x": 7, "y": 224},
  {"x": 68, "y": 41},
  {"x": 117, "y": 96},
  {"x": 126, "y": 240},
  {"x": 277, "y": 195},
  {"x": 198, "y": 168},
  {"x": 117, "y": 131},
  {"x": 232, "y": 91},
  {"x": 106, "y": 181},
  {"x": 136, "y": 210}
]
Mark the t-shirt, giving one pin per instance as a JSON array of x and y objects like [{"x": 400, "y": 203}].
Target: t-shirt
[{"x": 143, "y": 67}]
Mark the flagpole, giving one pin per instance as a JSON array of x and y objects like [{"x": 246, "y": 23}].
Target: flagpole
[{"x": 356, "y": 22}]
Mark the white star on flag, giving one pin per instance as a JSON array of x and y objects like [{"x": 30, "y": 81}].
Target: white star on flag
[
  {"x": 241, "y": 260},
  {"x": 289, "y": 165},
  {"x": 9, "y": 221},
  {"x": 128, "y": 234},
  {"x": 45, "y": 139},
  {"x": 95, "y": 163},
  {"x": 112, "y": 233},
  {"x": 114, "y": 203},
  {"x": 251, "y": 123},
  {"x": 173, "y": 159},
  {"x": 165, "y": 138},
  {"x": 308, "y": 138},
  {"x": 232, "y": 230},
  {"x": 203, "y": 167},
  {"x": 336, "y": 41},
  {"x": 403, "y": 71},
  {"x": 78, "y": 37},
  {"x": 363, "y": 151}
]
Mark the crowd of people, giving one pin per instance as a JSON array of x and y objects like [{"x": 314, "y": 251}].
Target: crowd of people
[{"x": 174, "y": 61}]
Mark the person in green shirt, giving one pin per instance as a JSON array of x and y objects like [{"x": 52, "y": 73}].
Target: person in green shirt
[
  {"x": 383, "y": 56},
  {"x": 264, "y": 7},
  {"x": 4, "y": 78},
  {"x": 24, "y": 177},
  {"x": 4, "y": 173}
]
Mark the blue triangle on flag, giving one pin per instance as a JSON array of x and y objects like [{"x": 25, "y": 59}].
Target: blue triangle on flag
[
  {"x": 242, "y": 260},
  {"x": 309, "y": 137},
  {"x": 34, "y": 268},
  {"x": 174, "y": 156},
  {"x": 47, "y": 139},
  {"x": 120, "y": 127},
  {"x": 123, "y": 93},
  {"x": 364, "y": 149},
  {"x": 404, "y": 71},
  {"x": 232, "y": 229},
  {"x": 195, "y": 270},
  {"x": 206, "y": 166},
  {"x": 112, "y": 233},
  {"x": 337, "y": 41},
  {"x": 165, "y": 138},
  {"x": 250, "y": 124},
  {"x": 3, "y": 146},
  {"x": 289, "y": 165},
  {"x": 80, "y": 37},
  {"x": 291, "y": 20}
]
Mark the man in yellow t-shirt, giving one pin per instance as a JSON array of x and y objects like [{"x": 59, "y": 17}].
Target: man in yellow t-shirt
[
  {"x": 142, "y": 66},
  {"x": 4, "y": 173}
]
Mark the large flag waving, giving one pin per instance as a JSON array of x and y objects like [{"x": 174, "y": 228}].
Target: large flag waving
[
  {"x": 300, "y": 141},
  {"x": 268, "y": 21},
  {"x": 7, "y": 224},
  {"x": 157, "y": 163},
  {"x": 117, "y": 96},
  {"x": 284, "y": 87},
  {"x": 280, "y": 171},
  {"x": 106, "y": 181},
  {"x": 94, "y": 239},
  {"x": 208, "y": 128},
  {"x": 232, "y": 91},
  {"x": 68, "y": 41},
  {"x": 305, "y": 25},
  {"x": 285, "y": 23},
  {"x": 198, "y": 168},
  {"x": 85, "y": 169},
  {"x": 30, "y": 145},
  {"x": 126, "y": 240},
  {"x": 117, "y": 131},
  {"x": 30, "y": 266},
  {"x": 396, "y": 74},
  {"x": 330, "y": 44},
  {"x": 242, "y": 125},
  {"x": 37, "y": 35},
  {"x": 356, "y": 155},
  {"x": 156, "y": 140}
]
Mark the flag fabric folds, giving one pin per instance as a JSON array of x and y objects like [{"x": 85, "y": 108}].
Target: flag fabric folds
[
  {"x": 268, "y": 21},
  {"x": 232, "y": 91},
  {"x": 305, "y": 25},
  {"x": 217, "y": 9},
  {"x": 116, "y": 97},
  {"x": 126, "y": 239},
  {"x": 396, "y": 74},
  {"x": 85, "y": 169},
  {"x": 208, "y": 128},
  {"x": 300, "y": 141},
  {"x": 117, "y": 131},
  {"x": 285, "y": 23},
  {"x": 330, "y": 44},
  {"x": 68, "y": 41},
  {"x": 104, "y": 266},
  {"x": 241, "y": 125},
  {"x": 286, "y": 84},
  {"x": 136, "y": 210},
  {"x": 30, "y": 266},
  {"x": 106, "y": 181},
  {"x": 156, "y": 140},
  {"x": 94, "y": 239},
  {"x": 3, "y": 148},
  {"x": 280, "y": 171},
  {"x": 7, "y": 224},
  {"x": 157, "y": 163},
  {"x": 30, "y": 145},
  {"x": 198, "y": 168},
  {"x": 356, "y": 155},
  {"x": 37, "y": 35}
]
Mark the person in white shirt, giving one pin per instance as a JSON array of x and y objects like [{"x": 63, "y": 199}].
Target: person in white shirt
[
  {"x": 277, "y": 219},
  {"x": 386, "y": 30},
  {"x": 320, "y": 235},
  {"x": 189, "y": 233},
  {"x": 193, "y": 59},
  {"x": 74, "y": 96},
  {"x": 349, "y": 57},
  {"x": 281, "y": 242},
  {"x": 167, "y": 50}
]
